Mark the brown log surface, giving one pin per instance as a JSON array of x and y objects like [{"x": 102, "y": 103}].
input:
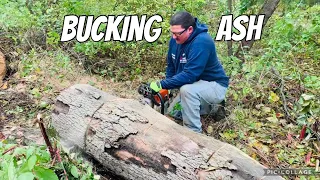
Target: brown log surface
[
  {"x": 2, "y": 67},
  {"x": 134, "y": 141}
]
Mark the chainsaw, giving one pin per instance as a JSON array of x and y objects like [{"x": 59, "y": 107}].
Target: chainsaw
[{"x": 160, "y": 99}]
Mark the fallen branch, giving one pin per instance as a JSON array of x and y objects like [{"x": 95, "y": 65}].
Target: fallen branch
[
  {"x": 45, "y": 136},
  {"x": 8, "y": 150},
  {"x": 283, "y": 97},
  {"x": 54, "y": 152}
]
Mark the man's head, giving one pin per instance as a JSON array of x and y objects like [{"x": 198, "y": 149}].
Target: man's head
[{"x": 182, "y": 25}]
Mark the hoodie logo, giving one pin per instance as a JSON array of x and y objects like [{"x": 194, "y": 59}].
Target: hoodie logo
[
  {"x": 173, "y": 56},
  {"x": 183, "y": 58}
]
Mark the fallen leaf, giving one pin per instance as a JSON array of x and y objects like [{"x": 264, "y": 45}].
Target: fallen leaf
[
  {"x": 290, "y": 105},
  {"x": 276, "y": 158},
  {"x": 290, "y": 126},
  {"x": 283, "y": 122},
  {"x": 4, "y": 86},
  {"x": 2, "y": 118},
  {"x": 303, "y": 132},
  {"x": 300, "y": 146},
  {"x": 307, "y": 97},
  {"x": 308, "y": 137},
  {"x": 259, "y": 106},
  {"x": 272, "y": 119},
  {"x": 317, "y": 146},
  {"x": 307, "y": 159},
  {"x": 279, "y": 115},
  {"x": 273, "y": 97},
  {"x": 210, "y": 129},
  {"x": 266, "y": 109},
  {"x": 254, "y": 156},
  {"x": 289, "y": 136},
  {"x": 2, "y": 137}
]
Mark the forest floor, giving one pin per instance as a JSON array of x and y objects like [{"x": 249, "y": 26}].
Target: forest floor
[{"x": 35, "y": 80}]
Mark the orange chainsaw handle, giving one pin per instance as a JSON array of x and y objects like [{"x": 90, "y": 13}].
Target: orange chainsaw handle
[{"x": 160, "y": 98}]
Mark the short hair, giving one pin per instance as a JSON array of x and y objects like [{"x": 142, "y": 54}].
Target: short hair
[{"x": 184, "y": 19}]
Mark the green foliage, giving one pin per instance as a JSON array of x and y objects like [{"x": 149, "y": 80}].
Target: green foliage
[
  {"x": 307, "y": 108},
  {"x": 249, "y": 5},
  {"x": 25, "y": 163},
  {"x": 34, "y": 162},
  {"x": 128, "y": 60},
  {"x": 289, "y": 45}
]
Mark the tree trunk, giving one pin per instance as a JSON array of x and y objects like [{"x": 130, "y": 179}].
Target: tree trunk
[
  {"x": 134, "y": 141},
  {"x": 229, "y": 43},
  {"x": 2, "y": 68},
  {"x": 268, "y": 8}
]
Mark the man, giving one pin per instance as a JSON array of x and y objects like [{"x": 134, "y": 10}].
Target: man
[{"x": 194, "y": 68}]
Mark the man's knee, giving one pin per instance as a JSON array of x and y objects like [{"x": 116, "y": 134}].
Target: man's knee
[{"x": 186, "y": 89}]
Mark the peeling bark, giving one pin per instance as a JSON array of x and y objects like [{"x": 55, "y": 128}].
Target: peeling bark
[{"x": 134, "y": 141}]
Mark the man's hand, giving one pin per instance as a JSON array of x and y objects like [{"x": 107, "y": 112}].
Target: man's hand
[{"x": 155, "y": 86}]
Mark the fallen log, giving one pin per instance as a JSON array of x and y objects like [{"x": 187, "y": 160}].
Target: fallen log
[
  {"x": 134, "y": 141},
  {"x": 2, "y": 68}
]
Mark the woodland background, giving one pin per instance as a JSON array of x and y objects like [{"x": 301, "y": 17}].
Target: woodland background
[{"x": 273, "y": 100}]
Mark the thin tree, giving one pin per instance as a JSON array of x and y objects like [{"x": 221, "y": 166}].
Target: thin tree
[
  {"x": 229, "y": 43},
  {"x": 268, "y": 8}
]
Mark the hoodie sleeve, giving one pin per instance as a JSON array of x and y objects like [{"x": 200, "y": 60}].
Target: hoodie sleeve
[
  {"x": 196, "y": 62},
  {"x": 170, "y": 67}
]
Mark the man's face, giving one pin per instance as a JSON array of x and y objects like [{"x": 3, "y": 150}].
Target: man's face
[{"x": 180, "y": 34}]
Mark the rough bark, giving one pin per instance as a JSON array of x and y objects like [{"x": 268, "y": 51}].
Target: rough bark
[
  {"x": 134, "y": 141},
  {"x": 268, "y": 8}
]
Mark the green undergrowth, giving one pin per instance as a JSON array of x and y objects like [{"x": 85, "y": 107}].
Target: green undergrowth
[
  {"x": 34, "y": 162},
  {"x": 275, "y": 93}
]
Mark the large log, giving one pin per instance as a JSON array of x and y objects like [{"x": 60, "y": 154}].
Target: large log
[
  {"x": 134, "y": 141},
  {"x": 2, "y": 68}
]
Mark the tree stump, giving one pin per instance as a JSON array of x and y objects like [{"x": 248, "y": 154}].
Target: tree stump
[{"x": 134, "y": 141}]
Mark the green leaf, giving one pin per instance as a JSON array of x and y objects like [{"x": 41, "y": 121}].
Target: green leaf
[
  {"x": 74, "y": 171},
  {"x": 307, "y": 97},
  {"x": 43, "y": 173},
  {"x": 273, "y": 97},
  {"x": 43, "y": 104},
  {"x": 30, "y": 151},
  {"x": 2, "y": 174},
  {"x": 29, "y": 164},
  {"x": 11, "y": 171},
  {"x": 32, "y": 161},
  {"x": 26, "y": 176},
  {"x": 291, "y": 160},
  {"x": 19, "y": 151}
]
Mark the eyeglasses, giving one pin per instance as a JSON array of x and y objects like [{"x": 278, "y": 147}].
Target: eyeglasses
[{"x": 178, "y": 33}]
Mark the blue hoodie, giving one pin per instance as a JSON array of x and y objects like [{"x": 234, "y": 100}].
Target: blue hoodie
[{"x": 194, "y": 60}]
